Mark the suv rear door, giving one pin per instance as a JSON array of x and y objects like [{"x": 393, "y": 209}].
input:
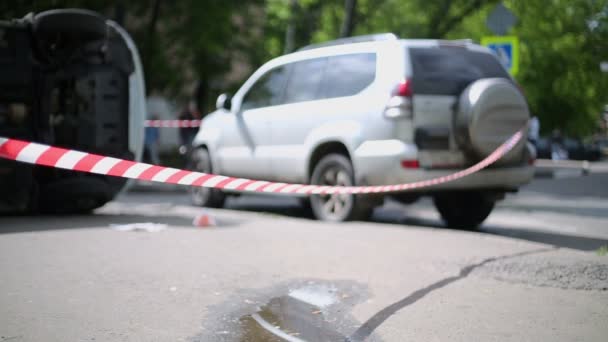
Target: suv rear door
[{"x": 439, "y": 76}]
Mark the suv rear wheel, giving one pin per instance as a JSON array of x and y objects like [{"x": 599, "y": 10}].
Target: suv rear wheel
[
  {"x": 201, "y": 196},
  {"x": 464, "y": 210},
  {"x": 336, "y": 169}
]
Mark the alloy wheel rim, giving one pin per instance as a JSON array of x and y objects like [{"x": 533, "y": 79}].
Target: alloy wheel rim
[
  {"x": 335, "y": 205},
  {"x": 201, "y": 194}
]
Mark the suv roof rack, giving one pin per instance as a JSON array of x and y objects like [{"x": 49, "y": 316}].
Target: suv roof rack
[
  {"x": 350, "y": 40},
  {"x": 455, "y": 42}
]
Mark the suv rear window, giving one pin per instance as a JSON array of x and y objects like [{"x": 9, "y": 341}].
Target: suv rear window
[{"x": 448, "y": 70}]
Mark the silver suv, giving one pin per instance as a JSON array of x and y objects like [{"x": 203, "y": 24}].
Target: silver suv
[{"x": 385, "y": 111}]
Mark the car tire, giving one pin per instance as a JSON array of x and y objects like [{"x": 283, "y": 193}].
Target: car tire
[
  {"x": 336, "y": 169},
  {"x": 200, "y": 160},
  {"x": 466, "y": 210}
]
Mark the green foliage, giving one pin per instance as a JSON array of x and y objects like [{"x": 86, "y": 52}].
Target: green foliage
[
  {"x": 562, "y": 44},
  {"x": 560, "y": 62},
  {"x": 562, "y": 41}
]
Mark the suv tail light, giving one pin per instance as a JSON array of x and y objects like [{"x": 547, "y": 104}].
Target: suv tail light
[
  {"x": 399, "y": 106},
  {"x": 404, "y": 88},
  {"x": 410, "y": 164}
]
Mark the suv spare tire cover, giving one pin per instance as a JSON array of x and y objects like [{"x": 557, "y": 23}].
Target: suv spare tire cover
[
  {"x": 80, "y": 24},
  {"x": 490, "y": 111}
]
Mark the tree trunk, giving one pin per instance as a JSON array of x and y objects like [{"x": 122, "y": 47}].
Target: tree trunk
[
  {"x": 348, "y": 25},
  {"x": 154, "y": 17},
  {"x": 150, "y": 42},
  {"x": 290, "y": 33},
  {"x": 119, "y": 14}
]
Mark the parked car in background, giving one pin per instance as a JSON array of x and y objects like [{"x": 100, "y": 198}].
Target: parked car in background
[
  {"x": 73, "y": 79},
  {"x": 573, "y": 149},
  {"x": 601, "y": 144},
  {"x": 373, "y": 110}
]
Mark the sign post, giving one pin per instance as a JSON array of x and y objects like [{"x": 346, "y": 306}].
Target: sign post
[
  {"x": 500, "y": 21},
  {"x": 507, "y": 50}
]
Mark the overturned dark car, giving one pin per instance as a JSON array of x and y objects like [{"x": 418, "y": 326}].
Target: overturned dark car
[{"x": 73, "y": 79}]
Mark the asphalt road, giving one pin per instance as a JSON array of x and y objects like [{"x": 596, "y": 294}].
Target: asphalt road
[{"x": 267, "y": 272}]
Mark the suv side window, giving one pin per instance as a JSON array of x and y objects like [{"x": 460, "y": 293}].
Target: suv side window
[
  {"x": 305, "y": 80},
  {"x": 348, "y": 75},
  {"x": 267, "y": 90}
]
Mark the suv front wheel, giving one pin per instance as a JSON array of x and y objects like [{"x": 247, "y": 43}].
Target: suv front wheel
[
  {"x": 200, "y": 161},
  {"x": 464, "y": 210},
  {"x": 336, "y": 169}
]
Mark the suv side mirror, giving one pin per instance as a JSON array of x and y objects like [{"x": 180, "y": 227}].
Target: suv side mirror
[{"x": 224, "y": 101}]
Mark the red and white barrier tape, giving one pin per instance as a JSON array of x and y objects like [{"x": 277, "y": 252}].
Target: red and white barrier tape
[
  {"x": 39, "y": 154},
  {"x": 172, "y": 123}
]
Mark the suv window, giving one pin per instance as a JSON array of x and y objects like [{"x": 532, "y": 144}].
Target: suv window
[
  {"x": 347, "y": 75},
  {"x": 267, "y": 91},
  {"x": 305, "y": 80},
  {"x": 448, "y": 70}
]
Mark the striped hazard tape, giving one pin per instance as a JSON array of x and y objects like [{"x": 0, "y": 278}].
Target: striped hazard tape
[
  {"x": 173, "y": 123},
  {"x": 39, "y": 154}
]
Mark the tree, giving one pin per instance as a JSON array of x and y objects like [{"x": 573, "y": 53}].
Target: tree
[
  {"x": 348, "y": 25},
  {"x": 189, "y": 42},
  {"x": 290, "y": 34},
  {"x": 561, "y": 45}
]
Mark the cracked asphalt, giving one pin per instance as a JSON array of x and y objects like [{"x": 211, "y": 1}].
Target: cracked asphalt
[{"x": 533, "y": 272}]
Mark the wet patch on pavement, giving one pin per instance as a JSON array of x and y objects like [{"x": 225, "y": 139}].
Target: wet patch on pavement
[{"x": 311, "y": 310}]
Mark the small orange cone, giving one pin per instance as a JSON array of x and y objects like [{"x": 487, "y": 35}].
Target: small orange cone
[{"x": 204, "y": 220}]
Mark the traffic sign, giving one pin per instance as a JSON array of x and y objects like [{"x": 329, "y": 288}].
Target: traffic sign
[
  {"x": 500, "y": 20},
  {"x": 507, "y": 50}
]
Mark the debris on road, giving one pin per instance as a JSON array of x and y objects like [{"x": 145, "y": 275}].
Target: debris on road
[
  {"x": 148, "y": 227},
  {"x": 204, "y": 220}
]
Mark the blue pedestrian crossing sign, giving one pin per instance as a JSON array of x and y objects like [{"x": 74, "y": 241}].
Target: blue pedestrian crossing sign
[{"x": 506, "y": 49}]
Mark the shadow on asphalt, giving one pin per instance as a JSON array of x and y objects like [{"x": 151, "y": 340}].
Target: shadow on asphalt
[
  {"x": 528, "y": 233},
  {"x": 288, "y": 207},
  {"x": 558, "y": 240},
  {"x": 585, "y": 212},
  {"x": 398, "y": 216},
  {"x": 23, "y": 224},
  {"x": 593, "y": 185}
]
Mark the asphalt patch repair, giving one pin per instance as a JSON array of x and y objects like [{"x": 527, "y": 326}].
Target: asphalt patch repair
[{"x": 556, "y": 271}]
